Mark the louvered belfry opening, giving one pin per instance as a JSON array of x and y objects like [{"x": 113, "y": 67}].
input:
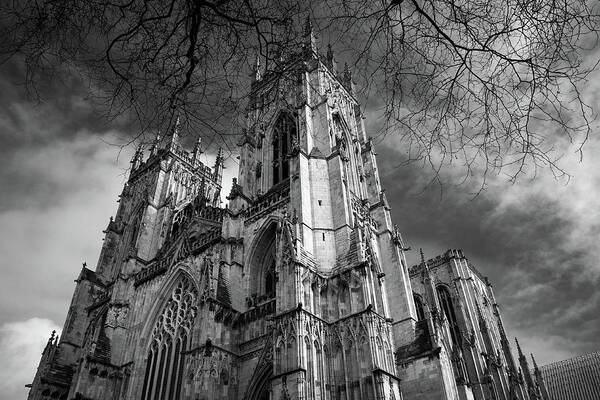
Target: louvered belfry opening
[{"x": 170, "y": 338}]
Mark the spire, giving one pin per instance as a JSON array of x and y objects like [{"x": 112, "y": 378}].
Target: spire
[
  {"x": 519, "y": 348},
  {"x": 310, "y": 40},
  {"x": 198, "y": 148},
  {"x": 501, "y": 329},
  {"x": 308, "y": 26},
  {"x": 524, "y": 366},
  {"x": 256, "y": 72},
  {"x": 219, "y": 166},
  {"x": 347, "y": 72},
  {"x": 51, "y": 343},
  {"x": 539, "y": 380},
  {"x": 330, "y": 60},
  {"x": 173, "y": 140},
  {"x": 347, "y": 78},
  {"x": 176, "y": 127},
  {"x": 535, "y": 366},
  {"x": 219, "y": 160},
  {"x": 155, "y": 144},
  {"x": 136, "y": 160}
]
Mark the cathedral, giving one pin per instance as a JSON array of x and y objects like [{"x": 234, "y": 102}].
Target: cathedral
[{"x": 297, "y": 289}]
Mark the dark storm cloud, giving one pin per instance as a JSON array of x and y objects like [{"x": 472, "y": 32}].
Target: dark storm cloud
[
  {"x": 59, "y": 181},
  {"x": 56, "y": 112},
  {"x": 534, "y": 240}
]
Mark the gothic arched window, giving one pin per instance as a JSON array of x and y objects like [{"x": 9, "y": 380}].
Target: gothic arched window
[
  {"x": 134, "y": 226},
  {"x": 318, "y": 371},
  {"x": 448, "y": 308},
  {"x": 270, "y": 280},
  {"x": 170, "y": 338},
  {"x": 284, "y": 132},
  {"x": 263, "y": 278},
  {"x": 419, "y": 307}
]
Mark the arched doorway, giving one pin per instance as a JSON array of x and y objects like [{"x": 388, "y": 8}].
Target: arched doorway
[{"x": 260, "y": 387}]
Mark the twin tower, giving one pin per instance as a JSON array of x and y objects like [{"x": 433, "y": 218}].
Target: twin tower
[{"x": 299, "y": 289}]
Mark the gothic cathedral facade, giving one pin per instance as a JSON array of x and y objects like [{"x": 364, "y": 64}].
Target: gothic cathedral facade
[{"x": 298, "y": 289}]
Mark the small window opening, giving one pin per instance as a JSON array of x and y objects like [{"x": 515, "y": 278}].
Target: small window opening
[
  {"x": 320, "y": 202},
  {"x": 323, "y": 236}
]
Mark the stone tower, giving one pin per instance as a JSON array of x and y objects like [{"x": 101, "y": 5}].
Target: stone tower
[{"x": 299, "y": 289}]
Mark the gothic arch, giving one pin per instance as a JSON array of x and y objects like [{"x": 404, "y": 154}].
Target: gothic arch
[
  {"x": 447, "y": 305},
  {"x": 170, "y": 336},
  {"x": 283, "y": 134},
  {"x": 342, "y": 139},
  {"x": 419, "y": 309},
  {"x": 180, "y": 271},
  {"x": 133, "y": 227},
  {"x": 261, "y": 260},
  {"x": 260, "y": 387}
]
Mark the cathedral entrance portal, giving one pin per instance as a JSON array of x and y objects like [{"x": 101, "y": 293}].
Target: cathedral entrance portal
[{"x": 260, "y": 388}]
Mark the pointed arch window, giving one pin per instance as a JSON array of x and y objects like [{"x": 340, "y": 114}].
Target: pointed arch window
[
  {"x": 309, "y": 367},
  {"x": 338, "y": 368},
  {"x": 134, "y": 226},
  {"x": 448, "y": 308},
  {"x": 318, "y": 371},
  {"x": 170, "y": 338},
  {"x": 270, "y": 280},
  {"x": 419, "y": 307},
  {"x": 284, "y": 132}
]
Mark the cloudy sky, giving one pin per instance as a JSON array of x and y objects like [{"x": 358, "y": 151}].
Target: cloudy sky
[{"x": 61, "y": 173}]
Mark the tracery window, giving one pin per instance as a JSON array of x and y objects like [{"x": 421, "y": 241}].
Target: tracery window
[
  {"x": 284, "y": 132},
  {"x": 170, "y": 338},
  {"x": 448, "y": 308}
]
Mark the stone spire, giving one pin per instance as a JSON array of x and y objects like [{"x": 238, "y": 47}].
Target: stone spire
[
  {"x": 137, "y": 160},
  {"x": 173, "y": 138},
  {"x": 256, "y": 70},
  {"x": 539, "y": 381},
  {"x": 155, "y": 144},
  {"x": 198, "y": 149},
  {"x": 331, "y": 63},
  {"x": 219, "y": 166},
  {"x": 524, "y": 367},
  {"x": 310, "y": 40},
  {"x": 347, "y": 78},
  {"x": 505, "y": 343}
]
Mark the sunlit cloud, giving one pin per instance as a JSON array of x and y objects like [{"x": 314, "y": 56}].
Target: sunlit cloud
[{"x": 21, "y": 345}]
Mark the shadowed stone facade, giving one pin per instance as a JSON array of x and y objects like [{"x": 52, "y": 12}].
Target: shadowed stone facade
[{"x": 299, "y": 289}]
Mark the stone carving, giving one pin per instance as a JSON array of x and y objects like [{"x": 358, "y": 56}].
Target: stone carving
[{"x": 116, "y": 315}]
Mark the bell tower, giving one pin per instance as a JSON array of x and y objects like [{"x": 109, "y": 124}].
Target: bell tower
[
  {"x": 162, "y": 178},
  {"x": 305, "y": 145}
]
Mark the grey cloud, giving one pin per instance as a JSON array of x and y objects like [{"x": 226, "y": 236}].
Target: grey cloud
[{"x": 526, "y": 238}]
